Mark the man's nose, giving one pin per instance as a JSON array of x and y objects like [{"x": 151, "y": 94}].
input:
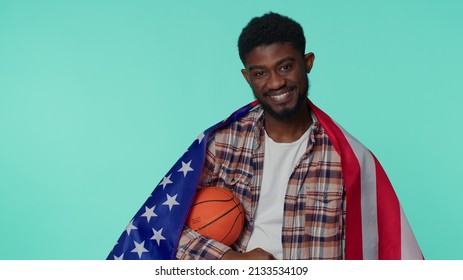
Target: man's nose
[{"x": 275, "y": 81}]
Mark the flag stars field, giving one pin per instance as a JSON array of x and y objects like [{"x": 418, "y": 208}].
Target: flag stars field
[
  {"x": 171, "y": 201},
  {"x": 151, "y": 235},
  {"x": 185, "y": 168},
  {"x": 149, "y": 213},
  {"x": 130, "y": 227},
  {"x": 166, "y": 181},
  {"x": 157, "y": 235},
  {"x": 139, "y": 248}
]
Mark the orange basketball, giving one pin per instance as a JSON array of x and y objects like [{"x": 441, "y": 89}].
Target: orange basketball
[{"x": 216, "y": 213}]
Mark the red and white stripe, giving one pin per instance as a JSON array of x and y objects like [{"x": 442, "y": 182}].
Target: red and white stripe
[{"x": 376, "y": 227}]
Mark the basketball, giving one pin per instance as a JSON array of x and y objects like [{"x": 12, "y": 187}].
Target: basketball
[{"x": 216, "y": 213}]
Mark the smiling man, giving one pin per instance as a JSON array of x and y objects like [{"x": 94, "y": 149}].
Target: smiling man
[
  {"x": 276, "y": 159},
  {"x": 285, "y": 166}
]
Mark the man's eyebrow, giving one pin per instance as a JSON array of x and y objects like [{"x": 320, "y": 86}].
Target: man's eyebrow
[
  {"x": 286, "y": 59},
  {"x": 253, "y": 67},
  {"x": 281, "y": 61}
]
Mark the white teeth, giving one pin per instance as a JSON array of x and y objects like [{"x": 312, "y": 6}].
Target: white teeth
[{"x": 279, "y": 96}]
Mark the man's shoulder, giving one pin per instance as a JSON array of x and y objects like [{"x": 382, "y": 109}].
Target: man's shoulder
[
  {"x": 247, "y": 126},
  {"x": 248, "y": 122}
]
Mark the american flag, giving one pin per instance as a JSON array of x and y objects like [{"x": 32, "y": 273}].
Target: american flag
[{"x": 376, "y": 227}]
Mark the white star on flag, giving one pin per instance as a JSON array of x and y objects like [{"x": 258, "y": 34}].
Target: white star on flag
[
  {"x": 165, "y": 181},
  {"x": 129, "y": 227},
  {"x": 171, "y": 201},
  {"x": 157, "y": 235},
  {"x": 149, "y": 212},
  {"x": 121, "y": 257},
  {"x": 139, "y": 248},
  {"x": 185, "y": 168},
  {"x": 200, "y": 137}
]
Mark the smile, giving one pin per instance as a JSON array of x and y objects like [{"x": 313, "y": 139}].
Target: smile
[{"x": 281, "y": 97}]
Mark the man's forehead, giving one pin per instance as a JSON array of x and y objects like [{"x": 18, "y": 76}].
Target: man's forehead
[{"x": 270, "y": 54}]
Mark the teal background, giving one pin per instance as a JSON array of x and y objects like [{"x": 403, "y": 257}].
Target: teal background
[{"x": 99, "y": 98}]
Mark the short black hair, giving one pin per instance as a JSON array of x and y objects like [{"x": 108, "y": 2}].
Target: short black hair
[{"x": 268, "y": 29}]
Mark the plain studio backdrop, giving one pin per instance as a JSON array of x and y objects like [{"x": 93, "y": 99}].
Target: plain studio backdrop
[{"x": 99, "y": 98}]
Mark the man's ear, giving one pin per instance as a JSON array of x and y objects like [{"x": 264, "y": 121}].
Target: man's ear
[
  {"x": 245, "y": 74},
  {"x": 309, "y": 59}
]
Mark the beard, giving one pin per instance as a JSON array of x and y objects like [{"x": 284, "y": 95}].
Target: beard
[{"x": 287, "y": 113}]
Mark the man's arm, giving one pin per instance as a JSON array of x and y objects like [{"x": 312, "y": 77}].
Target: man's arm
[{"x": 194, "y": 246}]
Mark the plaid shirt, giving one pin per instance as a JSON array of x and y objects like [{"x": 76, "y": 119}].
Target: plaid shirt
[{"x": 314, "y": 210}]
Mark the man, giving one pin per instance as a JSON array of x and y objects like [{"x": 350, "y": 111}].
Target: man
[
  {"x": 305, "y": 184},
  {"x": 277, "y": 159},
  {"x": 283, "y": 167}
]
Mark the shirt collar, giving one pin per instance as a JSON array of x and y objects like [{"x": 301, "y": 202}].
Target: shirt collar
[{"x": 259, "y": 133}]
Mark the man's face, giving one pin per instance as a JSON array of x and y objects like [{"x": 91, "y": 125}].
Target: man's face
[{"x": 277, "y": 74}]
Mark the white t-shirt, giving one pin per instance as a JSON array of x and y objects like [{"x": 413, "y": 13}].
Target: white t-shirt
[{"x": 279, "y": 162}]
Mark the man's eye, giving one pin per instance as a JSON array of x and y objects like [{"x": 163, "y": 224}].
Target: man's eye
[
  {"x": 286, "y": 67},
  {"x": 259, "y": 74}
]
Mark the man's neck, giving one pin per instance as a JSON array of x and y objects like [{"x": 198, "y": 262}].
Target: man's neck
[{"x": 287, "y": 131}]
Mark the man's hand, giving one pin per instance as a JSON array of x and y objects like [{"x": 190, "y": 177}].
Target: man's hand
[{"x": 255, "y": 254}]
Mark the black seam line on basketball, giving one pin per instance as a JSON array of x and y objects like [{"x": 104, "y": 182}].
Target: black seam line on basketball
[
  {"x": 213, "y": 200},
  {"x": 236, "y": 219},
  {"x": 218, "y": 217}
]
